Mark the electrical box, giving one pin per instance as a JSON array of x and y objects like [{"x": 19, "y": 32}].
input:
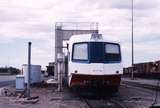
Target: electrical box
[
  {"x": 20, "y": 83},
  {"x": 35, "y": 75}
]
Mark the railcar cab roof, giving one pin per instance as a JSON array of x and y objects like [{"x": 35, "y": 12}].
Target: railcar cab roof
[{"x": 90, "y": 38}]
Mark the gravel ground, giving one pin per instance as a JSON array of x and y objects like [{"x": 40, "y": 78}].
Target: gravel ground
[{"x": 132, "y": 97}]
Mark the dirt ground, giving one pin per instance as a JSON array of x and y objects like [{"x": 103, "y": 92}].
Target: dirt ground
[{"x": 48, "y": 98}]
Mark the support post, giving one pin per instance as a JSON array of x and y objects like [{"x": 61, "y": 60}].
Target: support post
[
  {"x": 132, "y": 75},
  {"x": 60, "y": 58},
  {"x": 29, "y": 68}
]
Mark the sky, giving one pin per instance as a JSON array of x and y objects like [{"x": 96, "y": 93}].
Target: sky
[{"x": 22, "y": 21}]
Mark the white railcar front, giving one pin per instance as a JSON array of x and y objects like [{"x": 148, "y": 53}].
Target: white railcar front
[{"x": 94, "y": 60}]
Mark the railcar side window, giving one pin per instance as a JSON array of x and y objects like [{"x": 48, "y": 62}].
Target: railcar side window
[
  {"x": 80, "y": 51},
  {"x": 112, "y": 52}
]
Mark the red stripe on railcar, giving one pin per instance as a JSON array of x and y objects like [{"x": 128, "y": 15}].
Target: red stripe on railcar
[{"x": 83, "y": 80}]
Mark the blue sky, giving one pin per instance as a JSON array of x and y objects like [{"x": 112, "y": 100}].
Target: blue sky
[
  {"x": 13, "y": 50},
  {"x": 33, "y": 20}
]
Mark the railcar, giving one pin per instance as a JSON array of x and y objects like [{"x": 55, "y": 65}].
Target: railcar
[
  {"x": 144, "y": 70},
  {"x": 94, "y": 61}
]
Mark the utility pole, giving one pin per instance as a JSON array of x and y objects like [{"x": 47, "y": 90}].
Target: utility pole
[
  {"x": 132, "y": 76},
  {"x": 29, "y": 69}
]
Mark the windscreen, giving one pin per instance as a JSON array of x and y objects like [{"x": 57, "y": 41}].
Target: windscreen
[
  {"x": 96, "y": 52},
  {"x": 112, "y": 52},
  {"x": 80, "y": 51}
]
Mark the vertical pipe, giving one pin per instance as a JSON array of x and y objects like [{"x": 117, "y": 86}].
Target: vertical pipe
[
  {"x": 59, "y": 76},
  {"x": 29, "y": 68},
  {"x": 60, "y": 57},
  {"x": 132, "y": 76}
]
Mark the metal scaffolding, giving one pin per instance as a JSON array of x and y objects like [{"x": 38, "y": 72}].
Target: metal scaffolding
[{"x": 63, "y": 32}]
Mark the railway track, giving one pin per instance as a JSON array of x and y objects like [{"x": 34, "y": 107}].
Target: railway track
[
  {"x": 103, "y": 103},
  {"x": 99, "y": 101}
]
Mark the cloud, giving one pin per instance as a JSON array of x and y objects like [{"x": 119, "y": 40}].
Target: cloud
[
  {"x": 138, "y": 4},
  {"x": 34, "y": 21}
]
